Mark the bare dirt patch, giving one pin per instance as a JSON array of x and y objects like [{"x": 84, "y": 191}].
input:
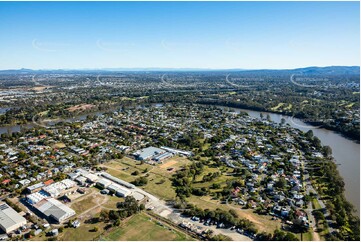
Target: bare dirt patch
[
  {"x": 168, "y": 164},
  {"x": 81, "y": 107},
  {"x": 41, "y": 88},
  {"x": 59, "y": 145}
]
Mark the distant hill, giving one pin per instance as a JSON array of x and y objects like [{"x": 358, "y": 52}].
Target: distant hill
[{"x": 328, "y": 70}]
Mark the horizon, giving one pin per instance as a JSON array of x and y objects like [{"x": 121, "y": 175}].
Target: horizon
[
  {"x": 179, "y": 35},
  {"x": 171, "y": 68}
]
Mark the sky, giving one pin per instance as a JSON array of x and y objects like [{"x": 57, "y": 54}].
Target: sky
[{"x": 217, "y": 35}]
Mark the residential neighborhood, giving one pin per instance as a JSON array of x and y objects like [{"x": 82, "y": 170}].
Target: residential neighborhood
[{"x": 240, "y": 162}]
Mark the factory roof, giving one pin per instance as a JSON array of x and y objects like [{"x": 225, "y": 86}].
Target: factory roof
[
  {"x": 54, "y": 208},
  {"x": 148, "y": 153},
  {"x": 9, "y": 217}
]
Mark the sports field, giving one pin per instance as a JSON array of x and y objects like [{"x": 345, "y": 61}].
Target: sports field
[{"x": 142, "y": 227}]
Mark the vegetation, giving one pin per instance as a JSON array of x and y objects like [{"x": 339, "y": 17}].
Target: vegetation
[{"x": 142, "y": 227}]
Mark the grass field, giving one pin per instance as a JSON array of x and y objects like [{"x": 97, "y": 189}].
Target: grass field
[
  {"x": 277, "y": 107},
  {"x": 84, "y": 204},
  {"x": 112, "y": 202},
  {"x": 349, "y": 105},
  {"x": 59, "y": 145},
  {"x": 142, "y": 227},
  {"x": 315, "y": 204},
  {"x": 305, "y": 237},
  {"x": 288, "y": 107},
  {"x": 158, "y": 176},
  {"x": 84, "y": 232}
]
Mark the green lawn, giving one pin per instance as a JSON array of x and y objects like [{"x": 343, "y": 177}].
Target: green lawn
[
  {"x": 84, "y": 232},
  {"x": 288, "y": 107},
  {"x": 277, "y": 107},
  {"x": 142, "y": 227},
  {"x": 164, "y": 191},
  {"x": 159, "y": 183},
  {"x": 305, "y": 237},
  {"x": 315, "y": 204}
]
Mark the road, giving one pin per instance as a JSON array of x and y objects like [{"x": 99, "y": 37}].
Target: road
[
  {"x": 160, "y": 208},
  {"x": 326, "y": 213}
]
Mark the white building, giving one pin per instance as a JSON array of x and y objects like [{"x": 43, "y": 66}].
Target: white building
[
  {"x": 120, "y": 191},
  {"x": 54, "y": 209},
  {"x": 10, "y": 220}
]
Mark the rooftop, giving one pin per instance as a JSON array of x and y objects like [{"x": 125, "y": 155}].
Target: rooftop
[
  {"x": 148, "y": 153},
  {"x": 9, "y": 217}
]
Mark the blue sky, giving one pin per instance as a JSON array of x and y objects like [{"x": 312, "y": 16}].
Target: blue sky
[{"x": 251, "y": 35}]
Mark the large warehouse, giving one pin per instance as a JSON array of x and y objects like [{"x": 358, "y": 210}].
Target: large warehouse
[
  {"x": 148, "y": 153},
  {"x": 10, "y": 220},
  {"x": 54, "y": 209}
]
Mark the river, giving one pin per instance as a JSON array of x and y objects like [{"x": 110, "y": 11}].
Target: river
[{"x": 346, "y": 152}]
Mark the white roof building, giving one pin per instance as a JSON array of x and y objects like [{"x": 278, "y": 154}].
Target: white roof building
[
  {"x": 36, "y": 197},
  {"x": 10, "y": 220},
  {"x": 104, "y": 183},
  {"x": 35, "y": 187},
  {"x": 57, "y": 188},
  {"x": 119, "y": 190},
  {"x": 92, "y": 178},
  {"x": 54, "y": 209}
]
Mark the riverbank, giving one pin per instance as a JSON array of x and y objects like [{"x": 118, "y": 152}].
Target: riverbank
[
  {"x": 346, "y": 152},
  {"x": 347, "y": 135}
]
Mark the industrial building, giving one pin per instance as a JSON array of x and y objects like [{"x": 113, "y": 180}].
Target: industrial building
[
  {"x": 10, "y": 220},
  {"x": 81, "y": 180},
  {"x": 36, "y": 187},
  {"x": 148, "y": 153},
  {"x": 103, "y": 183},
  {"x": 91, "y": 178},
  {"x": 59, "y": 188},
  {"x": 118, "y": 181},
  {"x": 161, "y": 157},
  {"x": 54, "y": 209},
  {"x": 176, "y": 151},
  {"x": 119, "y": 190},
  {"x": 36, "y": 197}
]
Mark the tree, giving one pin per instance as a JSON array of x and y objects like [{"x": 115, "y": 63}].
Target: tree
[
  {"x": 141, "y": 207},
  {"x": 268, "y": 118},
  {"x": 282, "y": 236},
  {"x": 309, "y": 134},
  {"x": 281, "y": 183},
  {"x": 117, "y": 222},
  {"x": 135, "y": 173},
  {"x": 318, "y": 215},
  {"x": 104, "y": 215},
  {"x": 327, "y": 151},
  {"x": 283, "y": 121},
  {"x": 221, "y": 237},
  {"x": 140, "y": 181}
]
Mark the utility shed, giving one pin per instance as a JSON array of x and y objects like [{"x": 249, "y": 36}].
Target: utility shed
[{"x": 10, "y": 220}]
